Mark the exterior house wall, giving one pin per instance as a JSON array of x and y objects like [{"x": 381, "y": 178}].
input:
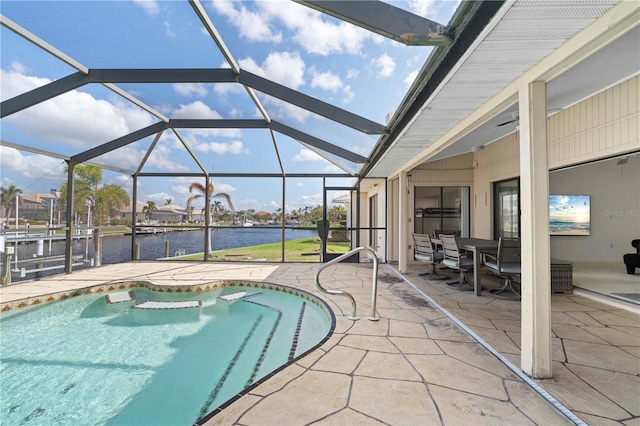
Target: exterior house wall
[
  {"x": 393, "y": 203},
  {"x": 454, "y": 171},
  {"x": 599, "y": 127},
  {"x": 497, "y": 161}
]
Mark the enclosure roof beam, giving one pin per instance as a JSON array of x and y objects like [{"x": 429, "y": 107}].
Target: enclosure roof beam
[
  {"x": 246, "y": 175},
  {"x": 118, "y": 143},
  {"x": 26, "y": 34},
  {"x": 311, "y": 104},
  {"x": 59, "y": 156},
  {"x": 317, "y": 142},
  {"x": 386, "y": 20},
  {"x": 189, "y": 123},
  {"x": 42, "y": 93},
  {"x": 164, "y": 75},
  {"x": 213, "y": 32}
]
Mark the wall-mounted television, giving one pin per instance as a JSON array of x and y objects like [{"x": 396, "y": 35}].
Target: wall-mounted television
[{"x": 570, "y": 214}]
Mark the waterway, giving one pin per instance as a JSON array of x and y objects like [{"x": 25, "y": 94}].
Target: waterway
[{"x": 117, "y": 248}]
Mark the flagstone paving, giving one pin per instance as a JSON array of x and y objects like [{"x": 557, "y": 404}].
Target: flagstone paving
[
  {"x": 595, "y": 346},
  {"x": 414, "y": 365}
]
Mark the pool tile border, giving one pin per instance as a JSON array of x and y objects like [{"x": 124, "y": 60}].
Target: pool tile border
[
  {"x": 193, "y": 288},
  {"x": 163, "y": 288}
]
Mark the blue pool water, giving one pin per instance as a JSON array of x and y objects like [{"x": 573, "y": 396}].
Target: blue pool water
[{"x": 82, "y": 361}]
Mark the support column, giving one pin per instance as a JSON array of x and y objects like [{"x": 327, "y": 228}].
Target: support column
[
  {"x": 68, "y": 242},
  {"x": 536, "y": 270},
  {"x": 207, "y": 213},
  {"x": 134, "y": 214},
  {"x": 403, "y": 221}
]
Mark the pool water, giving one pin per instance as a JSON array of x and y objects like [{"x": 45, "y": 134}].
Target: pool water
[{"x": 84, "y": 361}]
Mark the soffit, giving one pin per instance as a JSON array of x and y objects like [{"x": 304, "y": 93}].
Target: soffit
[{"x": 521, "y": 34}]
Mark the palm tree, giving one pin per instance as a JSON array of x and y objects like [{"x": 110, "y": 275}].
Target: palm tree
[
  {"x": 216, "y": 208},
  {"x": 149, "y": 209},
  {"x": 104, "y": 200},
  {"x": 207, "y": 193},
  {"x": 8, "y": 198}
]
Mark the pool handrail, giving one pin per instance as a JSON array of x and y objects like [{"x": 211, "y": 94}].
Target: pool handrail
[{"x": 374, "y": 290}]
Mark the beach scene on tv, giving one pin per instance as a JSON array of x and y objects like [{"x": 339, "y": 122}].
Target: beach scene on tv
[{"x": 570, "y": 214}]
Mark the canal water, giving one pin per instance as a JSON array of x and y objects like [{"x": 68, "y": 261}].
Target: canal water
[{"x": 117, "y": 248}]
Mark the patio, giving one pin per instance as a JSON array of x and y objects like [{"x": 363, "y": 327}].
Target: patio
[{"x": 415, "y": 365}]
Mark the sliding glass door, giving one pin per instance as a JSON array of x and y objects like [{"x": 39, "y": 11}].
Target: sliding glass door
[
  {"x": 506, "y": 208},
  {"x": 442, "y": 209}
]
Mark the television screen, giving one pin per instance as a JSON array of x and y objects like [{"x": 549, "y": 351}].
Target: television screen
[{"x": 570, "y": 214}]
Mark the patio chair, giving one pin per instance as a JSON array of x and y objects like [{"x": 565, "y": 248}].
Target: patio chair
[
  {"x": 632, "y": 260},
  {"x": 456, "y": 259},
  {"x": 425, "y": 251},
  {"x": 506, "y": 264}
]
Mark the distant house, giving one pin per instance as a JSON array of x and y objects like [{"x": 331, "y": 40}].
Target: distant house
[
  {"x": 170, "y": 213},
  {"x": 39, "y": 206},
  {"x": 166, "y": 213},
  {"x": 126, "y": 212}
]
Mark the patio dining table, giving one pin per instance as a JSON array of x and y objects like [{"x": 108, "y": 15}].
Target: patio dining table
[{"x": 476, "y": 246}]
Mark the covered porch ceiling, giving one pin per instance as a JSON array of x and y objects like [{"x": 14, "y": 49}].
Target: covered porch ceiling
[{"x": 476, "y": 103}]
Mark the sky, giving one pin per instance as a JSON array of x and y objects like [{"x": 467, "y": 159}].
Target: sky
[{"x": 293, "y": 45}]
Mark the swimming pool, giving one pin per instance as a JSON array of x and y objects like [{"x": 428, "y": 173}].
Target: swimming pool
[{"x": 84, "y": 360}]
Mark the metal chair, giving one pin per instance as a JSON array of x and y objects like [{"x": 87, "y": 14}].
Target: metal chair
[
  {"x": 506, "y": 264},
  {"x": 455, "y": 259},
  {"x": 425, "y": 251}
]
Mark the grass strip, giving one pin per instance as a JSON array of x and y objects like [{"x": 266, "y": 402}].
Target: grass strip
[{"x": 302, "y": 250}]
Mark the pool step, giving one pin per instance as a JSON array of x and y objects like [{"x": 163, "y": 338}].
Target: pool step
[
  {"x": 156, "y": 306},
  {"x": 235, "y": 296},
  {"x": 119, "y": 297}
]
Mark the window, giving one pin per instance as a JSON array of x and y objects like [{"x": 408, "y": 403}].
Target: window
[
  {"x": 506, "y": 208},
  {"x": 442, "y": 209}
]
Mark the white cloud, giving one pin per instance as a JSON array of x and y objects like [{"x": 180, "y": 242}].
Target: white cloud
[
  {"x": 285, "y": 68},
  {"x": 386, "y": 65},
  {"x": 235, "y": 113},
  {"x": 410, "y": 78},
  {"x": 332, "y": 168},
  {"x": 125, "y": 182},
  {"x": 31, "y": 166},
  {"x": 223, "y": 187},
  {"x": 306, "y": 154},
  {"x": 190, "y": 89},
  {"x": 348, "y": 94},
  {"x": 235, "y": 147},
  {"x": 129, "y": 157},
  {"x": 352, "y": 73},
  {"x": 168, "y": 29},
  {"x": 200, "y": 110},
  {"x": 423, "y": 8},
  {"x": 74, "y": 118},
  {"x": 253, "y": 26},
  {"x": 326, "y": 80},
  {"x": 150, "y": 6},
  {"x": 197, "y": 109},
  {"x": 313, "y": 31},
  {"x": 299, "y": 184},
  {"x": 160, "y": 198}
]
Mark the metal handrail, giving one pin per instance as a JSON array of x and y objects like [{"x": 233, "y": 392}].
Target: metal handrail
[{"x": 338, "y": 259}]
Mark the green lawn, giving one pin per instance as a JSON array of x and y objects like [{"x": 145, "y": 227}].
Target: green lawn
[{"x": 303, "y": 250}]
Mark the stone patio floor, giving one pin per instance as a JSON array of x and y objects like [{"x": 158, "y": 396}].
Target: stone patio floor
[{"x": 415, "y": 365}]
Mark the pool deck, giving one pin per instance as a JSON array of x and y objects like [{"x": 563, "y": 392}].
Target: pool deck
[{"x": 419, "y": 364}]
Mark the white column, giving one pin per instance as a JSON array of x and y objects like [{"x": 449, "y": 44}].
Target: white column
[
  {"x": 403, "y": 219},
  {"x": 534, "y": 193}
]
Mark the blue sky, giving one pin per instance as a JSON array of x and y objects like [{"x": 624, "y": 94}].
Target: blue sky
[{"x": 291, "y": 44}]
